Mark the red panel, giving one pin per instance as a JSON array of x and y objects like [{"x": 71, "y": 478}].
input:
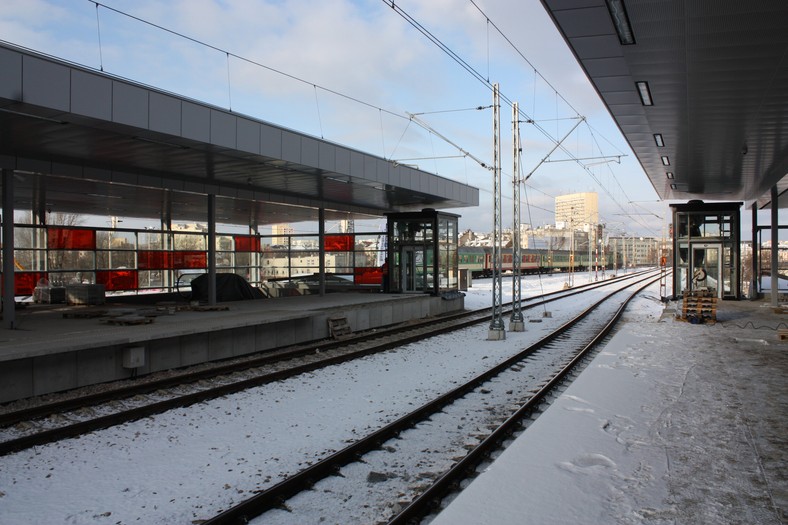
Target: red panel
[
  {"x": 368, "y": 275},
  {"x": 338, "y": 243},
  {"x": 70, "y": 239},
  {"x": 154, "y": 260},
  {"x": 195, "y": 260},
  {"x": 25, "y": 282},
  {"x": 117, "y": 279},
  {"x": 247, "y": 243}
]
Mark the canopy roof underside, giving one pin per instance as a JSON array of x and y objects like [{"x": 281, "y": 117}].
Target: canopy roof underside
[
  {"x": 717, "y": 73},
  {"x": 81, "y": 141}
]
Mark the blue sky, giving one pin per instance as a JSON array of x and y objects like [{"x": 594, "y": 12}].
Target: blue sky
[{"x": 365, "y": 51}]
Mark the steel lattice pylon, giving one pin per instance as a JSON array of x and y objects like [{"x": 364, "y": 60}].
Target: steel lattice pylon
[
  {"x": 497, "y": 330},
  {"x": 516, "y": 323}
]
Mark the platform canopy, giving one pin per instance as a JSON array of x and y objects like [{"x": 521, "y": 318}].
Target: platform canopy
[
  {"x": 698, "y": 88},
  {"x": 82, "y": 141}
]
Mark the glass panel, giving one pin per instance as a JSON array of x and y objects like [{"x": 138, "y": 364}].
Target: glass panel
[
  {"x": 26, "y": 282},
  {"x": 154, "y": 260},
  {"x": 224, "y": 259},
  {"x": 195, "y": 260},
  {"x": 186, "y": 241},
  {"x": 70, "y": 239},
  {"x": 71, "y": 260},
  {"x": 25, "y": 237},
  {"x": 117, "y": 280},
  {"x": 247, "y": 243},
  {"x": 338, "y": 243},
  {"x": 115, "y": 259},
  {"x": 29, "y": 260}
]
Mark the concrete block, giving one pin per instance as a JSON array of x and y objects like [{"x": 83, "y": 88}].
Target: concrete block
[
  {"x": 264, "y": 337},
  {"x": 303, "y": 330},
  {"x": 220, "y": 345},
  {"x": 97, "y": 365},
  {"x": 285, "y": 333},
  {"x": 243, "y": 340},
  {"x": 16, "y": 380},
  {"x": 164, "y": 354},
  {"x": 52, "y": 373},
  {"x": 194, "y": 349}
]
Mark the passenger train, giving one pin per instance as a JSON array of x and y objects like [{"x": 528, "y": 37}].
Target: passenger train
[{"x": 478, "y": 260}]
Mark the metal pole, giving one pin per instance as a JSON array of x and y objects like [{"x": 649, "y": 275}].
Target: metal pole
[
  {"x": 755, "y": 285},
  {"x": 9, "y": 306},
  {"x": 775, "y": 246},
  {"x": 496, "y": 331},
  {"x": 516, "y": 322},
  {"x": 211, "y": 249},
  {"x": 321, "y": 228}
]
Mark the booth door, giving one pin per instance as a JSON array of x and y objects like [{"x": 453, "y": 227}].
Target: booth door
[
  {"x": 412, "y": 268},
  {"x": 706, "y": 268}
]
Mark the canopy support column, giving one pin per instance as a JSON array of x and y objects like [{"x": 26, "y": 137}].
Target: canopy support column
[
  {"x": 211, "y": 249},
  {"x": 755, "y": 285},
  {"x": 775, "y": 230},
  {"x": 9, "y": 306},
  {"x": 321, "y": 239}
]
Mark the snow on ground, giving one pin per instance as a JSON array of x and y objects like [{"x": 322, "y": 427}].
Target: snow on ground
[
  {"x": 188, "y": 464},
  {"x": 656, "y": 430},
  {"x": 672, "y": 423}
]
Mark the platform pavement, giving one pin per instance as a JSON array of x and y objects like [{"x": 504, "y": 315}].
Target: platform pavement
[{"x": 48, "y": 352}]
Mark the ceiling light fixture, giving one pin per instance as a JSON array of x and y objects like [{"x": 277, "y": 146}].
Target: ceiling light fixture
[
  {"x": 658, "y": 140},
  {"x": 644, "y": 92},
  {"x": 665, "y": 160},
  {"x": 621, "y": 22},
  {"x": 672, "y": 186},
  {"x": 669, "y": 175}
]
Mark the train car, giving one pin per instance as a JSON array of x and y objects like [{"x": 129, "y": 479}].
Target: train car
[
  {"x": 479, "y": 261},
  {"x": 472, "y": 258}
]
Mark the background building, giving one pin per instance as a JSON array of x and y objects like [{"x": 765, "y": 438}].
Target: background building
[{"x": 578, "y": 211}]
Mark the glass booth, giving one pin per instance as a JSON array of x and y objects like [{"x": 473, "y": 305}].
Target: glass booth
[
  {"x": 706, "y": 240},
  {"x": 422, "y": 252}
]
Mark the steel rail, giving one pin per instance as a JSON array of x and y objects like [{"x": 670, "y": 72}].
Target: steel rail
[
  {"x": 428, "y": 499},
  {"x": 276, "y": 495},
  {"x": 270, "y": 357}
]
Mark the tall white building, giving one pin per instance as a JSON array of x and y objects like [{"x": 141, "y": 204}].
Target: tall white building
[{"x": 578, "y": 211}]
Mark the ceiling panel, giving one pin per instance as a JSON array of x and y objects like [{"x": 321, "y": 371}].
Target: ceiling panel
[{"x": 717, "y": 71}]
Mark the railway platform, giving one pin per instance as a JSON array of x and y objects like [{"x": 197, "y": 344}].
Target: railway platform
[
  {"x": 59, "y": 347},
  {"x": 671, "y": 422}
]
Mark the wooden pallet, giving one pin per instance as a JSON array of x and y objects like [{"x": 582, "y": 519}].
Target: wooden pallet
[
  {"x": 339, "y": 327},
  {"x": 699, "y": 306}
]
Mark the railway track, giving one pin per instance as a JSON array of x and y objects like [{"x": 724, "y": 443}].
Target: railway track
[
  {"x": 72, "y": 417},
  {"x": 426, "y": 453}
]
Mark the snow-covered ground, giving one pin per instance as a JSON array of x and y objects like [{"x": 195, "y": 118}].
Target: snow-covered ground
[
  {"x": 672, "y": 423},
  {"x": 188, "y": 464}
]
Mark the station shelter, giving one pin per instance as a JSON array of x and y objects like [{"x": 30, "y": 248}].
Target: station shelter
[
  {"x": 706, "y": 248},
  {"x": 422, "y": 252}
]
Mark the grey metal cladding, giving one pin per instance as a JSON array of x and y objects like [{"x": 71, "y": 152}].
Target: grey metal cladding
[
  {"x": 10, "y": 75},
  {"x": 222, "y": 129},
  {"x": 248, "y": 135},
  {"x": 342, "y": 160},
  {"x": 309, "y": 151},
  {"x": 327, "y": 154},
  {"x": 195, "y": 122},
  {"x": 46, "y": 84},
  {"x": 165, "y": 114},
  {"x": 291, "y": 147},
  {"x": 270, "y": 141},
  {"x": 129, "y": 105},
  {"x": 91, "y": 95}
]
